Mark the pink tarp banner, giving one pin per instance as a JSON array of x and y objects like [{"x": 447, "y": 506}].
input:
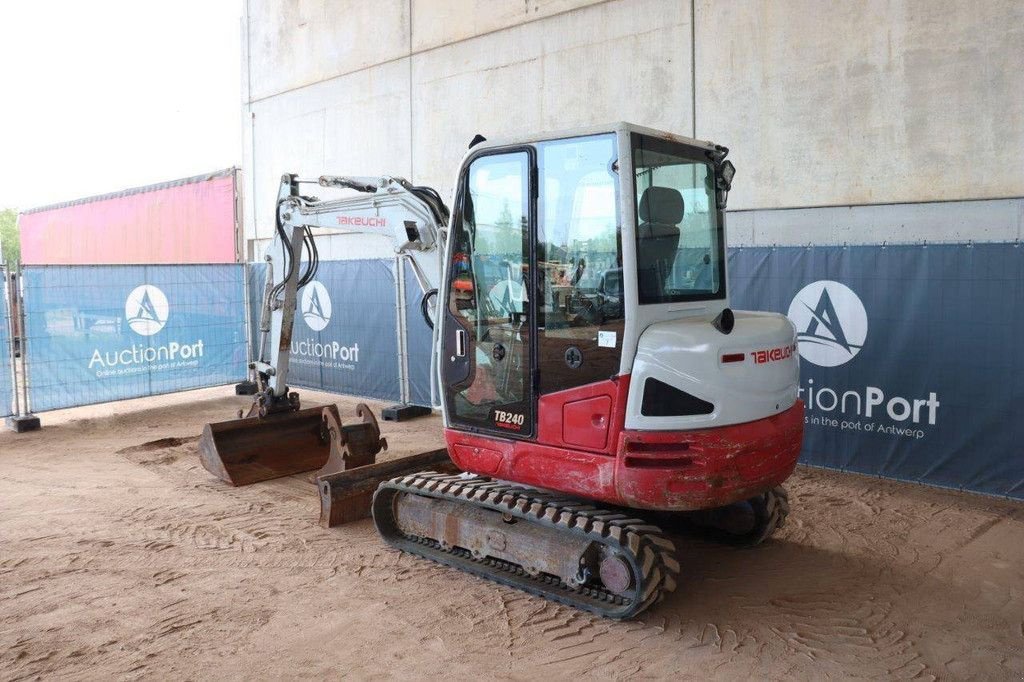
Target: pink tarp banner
[{"x": 187, "y": 221}]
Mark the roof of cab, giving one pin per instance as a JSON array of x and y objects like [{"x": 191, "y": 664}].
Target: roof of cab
[{"x": 620, "y": 126}]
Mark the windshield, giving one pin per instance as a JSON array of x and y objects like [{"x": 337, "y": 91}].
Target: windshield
[{"x": 679, "y": 238}]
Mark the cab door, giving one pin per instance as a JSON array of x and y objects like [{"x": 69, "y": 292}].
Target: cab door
[{"x": 488, "y": 337}]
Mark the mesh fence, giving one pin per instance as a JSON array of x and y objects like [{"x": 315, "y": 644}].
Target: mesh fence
[
  {"x": 345, "y": 338},
  {"x": 98, "y": 333},
  {"x": 909, "y": 364}
]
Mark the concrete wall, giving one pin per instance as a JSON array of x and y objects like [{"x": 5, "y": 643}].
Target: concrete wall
[
  {"x": 823, "y": 104},
  {"x": 874, "y": 101}
]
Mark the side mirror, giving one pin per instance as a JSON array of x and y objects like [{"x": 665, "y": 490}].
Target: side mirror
[{"x": 726, "y": 172}]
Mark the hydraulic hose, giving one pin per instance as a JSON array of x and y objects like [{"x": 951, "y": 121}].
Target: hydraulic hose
[{"x": 425, "y": 307}]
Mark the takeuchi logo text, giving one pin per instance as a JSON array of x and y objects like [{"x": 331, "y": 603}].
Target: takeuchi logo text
[
  {"x": 362, "y": 221},
  {"x": 773, "y": 354}
]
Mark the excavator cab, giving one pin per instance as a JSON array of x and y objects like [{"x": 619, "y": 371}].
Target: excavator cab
[{"x": 579, "y": 349}]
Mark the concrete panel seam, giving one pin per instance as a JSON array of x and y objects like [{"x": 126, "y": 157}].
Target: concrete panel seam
[
  {"x": 412, "y": 104},
  {"x": 413, "y": 53},
  {"x": 946, "y": 222},
  {"x": 1020, "y": 221},
  {"x": 766, "y": 209},
  {"x": 693, "y": 67}
]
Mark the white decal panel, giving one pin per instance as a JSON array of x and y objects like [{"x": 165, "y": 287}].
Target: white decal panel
[{"x": 607, "y": 339}]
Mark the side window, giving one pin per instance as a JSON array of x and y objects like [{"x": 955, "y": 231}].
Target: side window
[
  {"x": 488, "y": 293},
  {"x": 579, "y": 263},
  {"x": 680, "y": 255}
]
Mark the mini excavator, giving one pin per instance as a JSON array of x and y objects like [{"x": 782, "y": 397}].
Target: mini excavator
[{"x": 590, "y": 372}]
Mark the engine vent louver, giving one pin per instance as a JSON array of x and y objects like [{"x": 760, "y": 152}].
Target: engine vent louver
[{"x": 662, "y": 400}]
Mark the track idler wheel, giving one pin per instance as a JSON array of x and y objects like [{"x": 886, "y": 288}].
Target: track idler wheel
[{"x": 742, "y": 524}]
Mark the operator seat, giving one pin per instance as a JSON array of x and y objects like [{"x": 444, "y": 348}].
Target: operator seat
[{"x": 660, "y": 210}]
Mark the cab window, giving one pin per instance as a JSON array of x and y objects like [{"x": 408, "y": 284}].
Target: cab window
[
  {"x": 579, "y": 263},
  {"x": 488, "y": 294},
  {"x": 680, "y": 250}
]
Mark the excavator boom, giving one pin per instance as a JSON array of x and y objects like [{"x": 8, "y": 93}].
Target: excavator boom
[{"x": 279, "y": 437}]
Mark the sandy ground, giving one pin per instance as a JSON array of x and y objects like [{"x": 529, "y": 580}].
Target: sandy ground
[{"x": 121, "y": 559}]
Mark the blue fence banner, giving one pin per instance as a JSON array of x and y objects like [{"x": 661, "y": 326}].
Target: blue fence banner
[
  {"x": 910, "y": 362},
  {"x": 345, "y": 338},
  {"x": 98, "y": 333},
  {"x": 6, "y": 339}
]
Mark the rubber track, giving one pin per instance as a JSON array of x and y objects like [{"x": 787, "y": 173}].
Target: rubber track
[{"x": 645, "y": 547}]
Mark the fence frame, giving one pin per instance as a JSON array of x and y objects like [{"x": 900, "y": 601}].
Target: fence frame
[
  {"x": 26, "y": 378},
  {"x": 7, "y": 316}
]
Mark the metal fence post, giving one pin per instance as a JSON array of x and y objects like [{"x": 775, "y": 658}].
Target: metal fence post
[
  {"x": 403, "y": 410},
  {"x": 247, "y": 386},
  {"x": 12, "y": 354},
  {"x": 24, "y": 420},
  {"x": 403, "y": 340}
]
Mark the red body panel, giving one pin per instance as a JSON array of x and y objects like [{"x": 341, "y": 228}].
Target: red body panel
[
  {"x": 585, "y": 422},
  {"x": 583, "y": 449},
  {"x": 587, "y": 418},
  {"x": 708, "y": 467}
]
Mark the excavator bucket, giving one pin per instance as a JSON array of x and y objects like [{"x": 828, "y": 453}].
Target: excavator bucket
[
  {"x": 347, "y": 495},
  {"x": 253, "y": 449},
  {"x": 351, "y": 445}
]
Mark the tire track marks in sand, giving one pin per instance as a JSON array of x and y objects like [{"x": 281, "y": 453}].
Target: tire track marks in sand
[{"x": 177, "y": 571}]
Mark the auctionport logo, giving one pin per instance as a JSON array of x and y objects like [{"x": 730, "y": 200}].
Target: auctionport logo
[
  {"x": 831, "y": 323},
  {"x": 316, "y": 306},
  {"x": 832, "y": 327},
  {"x": 146, "y": 310}
]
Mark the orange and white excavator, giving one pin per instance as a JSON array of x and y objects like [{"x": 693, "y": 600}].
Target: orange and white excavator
[{"x": 587, "y": 364}]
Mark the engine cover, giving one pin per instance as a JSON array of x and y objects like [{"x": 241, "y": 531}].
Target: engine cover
[{"x": 696, "y": 377}]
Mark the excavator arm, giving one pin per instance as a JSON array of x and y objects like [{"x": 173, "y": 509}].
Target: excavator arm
[
  {"x": 413, "y": 218},
  {"x": 278, "y": 438}
]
